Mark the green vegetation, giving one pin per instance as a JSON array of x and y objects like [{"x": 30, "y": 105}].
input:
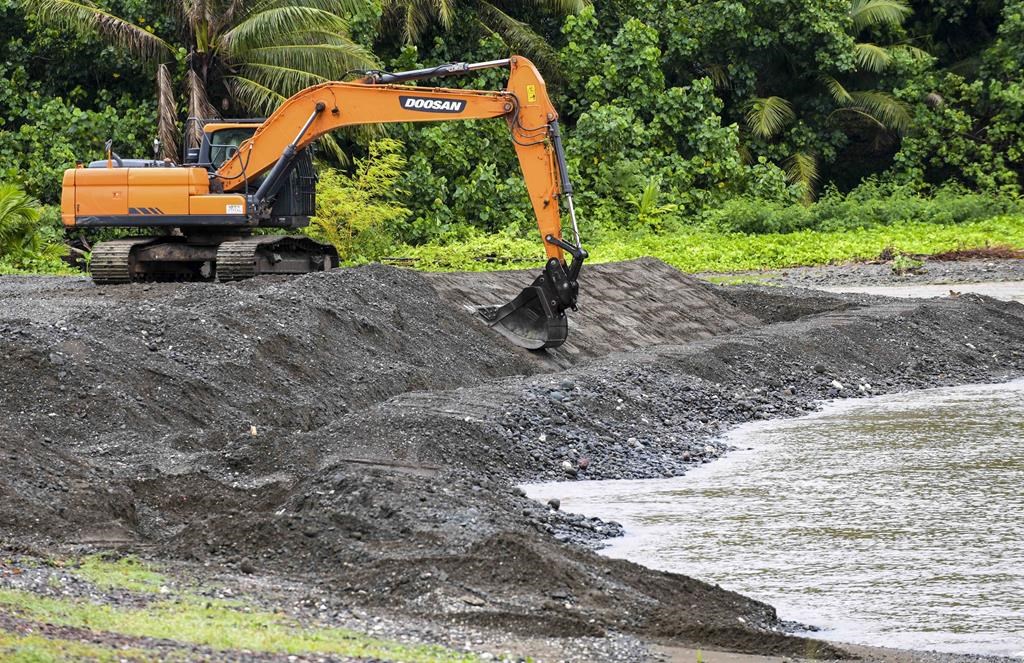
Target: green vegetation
[
  {"x": 185, "y": 618},
  {"x": 30, "y": 239},
  {"x": 682, "y": 118},
  {"x": 713, "y": 251},
  {"x": 40, "y": 649},
  {"x": 128, "y": 573}
]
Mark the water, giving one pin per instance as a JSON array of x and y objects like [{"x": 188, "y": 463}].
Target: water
[
  {"x": 1012, "y": 291},
  {"x": 896, "y": 521}
]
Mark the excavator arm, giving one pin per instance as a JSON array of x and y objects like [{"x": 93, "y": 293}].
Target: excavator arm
[{"x": 536, "y": 318}]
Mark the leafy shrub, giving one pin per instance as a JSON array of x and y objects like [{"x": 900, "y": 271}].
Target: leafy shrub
[
  {"x": 31, "y": 238},
  {"x": 357, "y": 213},
  {"x": 43, "y": 136},
  {"x": 871, "y": 204}
]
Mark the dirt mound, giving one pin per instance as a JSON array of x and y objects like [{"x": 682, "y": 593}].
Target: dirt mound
[
  {"x": 361, "y": 428},
  {"x": 623, "y": 306}
]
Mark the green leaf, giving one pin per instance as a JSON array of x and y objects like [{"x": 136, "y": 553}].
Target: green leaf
[
  {"x": 874, "y": 13},
  {"x": 768, "y": 116}
]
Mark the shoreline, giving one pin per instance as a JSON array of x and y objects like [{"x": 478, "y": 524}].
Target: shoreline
[{"x": 390, "y": 488}]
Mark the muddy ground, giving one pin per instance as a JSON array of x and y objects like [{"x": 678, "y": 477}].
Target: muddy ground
[{"x": 361, "y": 434}]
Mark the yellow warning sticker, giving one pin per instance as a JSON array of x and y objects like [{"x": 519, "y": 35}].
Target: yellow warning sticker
[{"x": 531, "y": 94}]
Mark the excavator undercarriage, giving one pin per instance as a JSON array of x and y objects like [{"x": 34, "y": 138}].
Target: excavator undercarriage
[{"x": 202, "y": 216}]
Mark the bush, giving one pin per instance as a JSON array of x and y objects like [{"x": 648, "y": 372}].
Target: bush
[
  {"x": 357, "y": 213},
  {"x": 44, "y": 136},
  {"x": 871, "y": 204},
  {"x": 31, "y": 238}
]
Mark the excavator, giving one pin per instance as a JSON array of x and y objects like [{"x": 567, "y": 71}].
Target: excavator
[{"x": 254, "y": 174}]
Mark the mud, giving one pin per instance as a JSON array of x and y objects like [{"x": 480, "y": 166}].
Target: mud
[{"x": 362, "y": 431}]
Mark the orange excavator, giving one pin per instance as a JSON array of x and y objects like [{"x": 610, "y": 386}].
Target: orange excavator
[{"x": 259, "y": 174}]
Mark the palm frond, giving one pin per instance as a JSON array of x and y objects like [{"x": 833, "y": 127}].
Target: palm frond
[
  {"x": 337, "y": 7},
  {"x": 328, "y": 60},
  {"x": 914, "y": 52},
  {"x": 415, "y": 16},
  {"x": 445, "y": 10},
  {"x": 767, "y": 116},
  {"x": 838, "y": 92},
  {"x": 802, "y": 170},
  {"x": 285, "y": 81},
  {"x": 872, "y": 57},
  {"x": 259, "y": 28},
  {"x": 82, "y": 17},
  {"x": 518, "y": 36},
  {"x": 872, "y": 13},
  {"x": 167, "y": 113},
  {"x": 719, "y": 75},
  {"x": 564, "y": 7},
  {"x": 256, "y": 98},
  {"x": 890, "y": 112},
  {"x": 198, "y": 106}
]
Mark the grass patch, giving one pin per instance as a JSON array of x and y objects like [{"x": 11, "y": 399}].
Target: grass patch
[
  {"x": 128, "y": 573},
  {"x": 38, "y": 649},
  {"x": 707, "y": 251},
  {"x": 219, "y": 625}
]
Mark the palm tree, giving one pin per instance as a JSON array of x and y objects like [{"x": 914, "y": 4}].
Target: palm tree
[
  {"x": 415, "y": 17},
  {"x": 767, "y": 117},
  {"x": 23, "y": 236},
  {"x": 252, "y": 54}
]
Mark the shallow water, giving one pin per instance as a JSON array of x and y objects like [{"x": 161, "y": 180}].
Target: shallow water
[
  {"x": 896, "y": 521},
  {"x": 1011, "y": 291}
]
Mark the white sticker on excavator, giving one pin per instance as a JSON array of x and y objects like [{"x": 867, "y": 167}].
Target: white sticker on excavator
[{"x": 234, "y": 209}]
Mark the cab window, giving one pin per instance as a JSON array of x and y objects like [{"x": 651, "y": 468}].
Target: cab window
[{"x": 224, "y": 142}]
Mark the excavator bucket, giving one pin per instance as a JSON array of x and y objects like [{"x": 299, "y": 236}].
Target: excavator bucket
[{"x": 536, "y": 318}]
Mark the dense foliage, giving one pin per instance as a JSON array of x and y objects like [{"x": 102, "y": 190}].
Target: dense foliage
[
  {"x": 29, "y": 236},
  {"x": 681, "y": 116}
]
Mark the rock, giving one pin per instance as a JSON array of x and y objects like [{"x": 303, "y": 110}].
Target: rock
[
  {"x": 567, "y": 385},
  {"x": 245, "y": 566},
  {"x": 583, "y": 463},
  {"x": 555, "y": 503},
  {"x": 820, "y": 369},
  {"x": 837, "y": 385},
  {"x": 469, "y": 599},
  {"x": 556, "y": 396},
  {"x": 560, "y": 594}
]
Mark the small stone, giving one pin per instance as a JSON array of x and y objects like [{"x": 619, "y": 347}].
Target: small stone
[
  {"x": 837, "y": 385},
  {"x": 246, "y": 567},
  {"x": 469, "y": 599},
  {"x": 820, "y": 369},
  {"x": 567, "y": 385},
  {"x": 557, "y": 396},
  {"x": 555, "y": 503},
  {"x": 253, "y": 431},
  {"x": 583, "y": 463}
]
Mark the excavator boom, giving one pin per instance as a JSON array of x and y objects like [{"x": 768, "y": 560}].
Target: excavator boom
[{"x": 246, "y": 190}]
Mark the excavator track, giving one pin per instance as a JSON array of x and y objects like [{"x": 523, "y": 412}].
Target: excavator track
[
  {"x": 272, "y": 254},
  {"x": 112, "y": 262}
]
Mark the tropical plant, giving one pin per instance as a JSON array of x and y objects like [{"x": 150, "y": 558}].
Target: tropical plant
[
  {"x": 28, "y": 239},
  {"x": 767, "y": 117},
  {"x": 354, "y": 211},
  {"x": 228, "y": 54},
  {"x": 415, "y": 18}
]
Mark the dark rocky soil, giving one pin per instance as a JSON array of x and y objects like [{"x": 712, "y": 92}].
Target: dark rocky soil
[{"x": 360, "y": 430}]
